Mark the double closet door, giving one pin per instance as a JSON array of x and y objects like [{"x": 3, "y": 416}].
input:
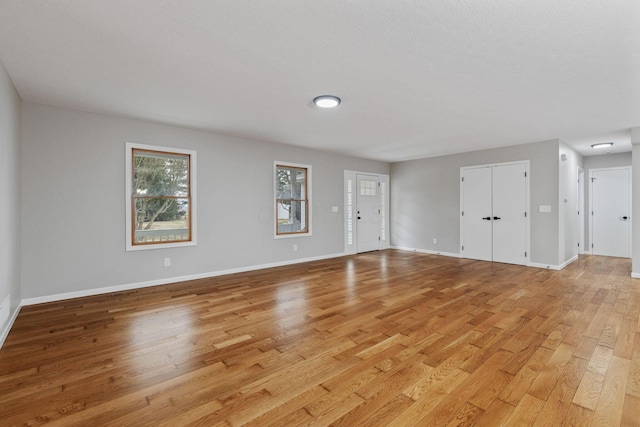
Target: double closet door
[{"x": 494, "y": 217}]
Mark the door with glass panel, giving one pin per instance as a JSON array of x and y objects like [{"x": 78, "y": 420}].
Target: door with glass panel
[{"x": 368, "y": 212}]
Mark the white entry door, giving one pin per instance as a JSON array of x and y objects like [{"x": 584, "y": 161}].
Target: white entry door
[
  {"x": 611, "y": 212},
  {"x": 368, "y": 211},
  {"x": 494, "y": 225}
]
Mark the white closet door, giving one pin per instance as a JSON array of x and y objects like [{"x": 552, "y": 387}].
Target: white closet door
[
  {"x": 494, "y": 224},
  {"x": 476, "y": 217},
  {"x": 611, "y": 212},
  {"x": 509, "y": 220}
]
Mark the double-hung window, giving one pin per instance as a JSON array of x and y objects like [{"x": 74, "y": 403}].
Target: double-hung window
[
  {"x": 292, "y": 199},
  {"x": 160, "y": 187}
]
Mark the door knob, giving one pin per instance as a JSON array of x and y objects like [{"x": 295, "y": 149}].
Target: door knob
[
  {"x": 488, "y": 218},
  {"x": 496, "y": 217}
]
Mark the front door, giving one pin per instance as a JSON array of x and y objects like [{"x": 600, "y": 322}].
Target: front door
[{"x": 368, "y": 212}]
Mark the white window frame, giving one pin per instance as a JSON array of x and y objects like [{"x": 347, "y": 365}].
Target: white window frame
[
  {"x": 275, "y": 203},
  {"x": 129, "y": 147}
]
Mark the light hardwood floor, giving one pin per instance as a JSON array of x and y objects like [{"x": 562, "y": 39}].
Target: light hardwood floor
[{"x": 389, "y": 338}]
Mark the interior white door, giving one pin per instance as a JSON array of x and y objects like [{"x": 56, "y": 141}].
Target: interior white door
[
  {"x": 611, "y": 212},
  {"x": 509, "y": 213},
  {"x": 368, "y": 213},
  {"x": 476, "y": 214}
]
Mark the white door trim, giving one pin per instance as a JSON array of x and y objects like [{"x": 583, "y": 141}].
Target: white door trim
[{"x": 580, "y": 210}]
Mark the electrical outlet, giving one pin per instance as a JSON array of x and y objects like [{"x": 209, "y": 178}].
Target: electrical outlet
[
  {"x": 295, "y": 248},
  {"x": 435, "y": 241},
  {"x": 167, "y": 262}
]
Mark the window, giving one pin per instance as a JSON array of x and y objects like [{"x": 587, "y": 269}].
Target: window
[
  {"x": 368, "y": 188},
  {"x": 160, "y": 197},
  {"x": 292, "y": 199}
]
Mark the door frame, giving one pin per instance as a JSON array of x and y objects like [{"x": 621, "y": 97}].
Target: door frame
[
  {"x": 350, "y": 207},
  {"x": 629, "y": 168},
  {"x": 527, "y": 204},
  {"x": 580, "y": 210}
]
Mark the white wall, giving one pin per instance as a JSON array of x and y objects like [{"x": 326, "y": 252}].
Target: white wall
[
  {"x": 73, "y": 202},
  {"x": 10, "y": 190},
  {"x": 568, "y": 202},
  {"x": 425, "y": 198}
]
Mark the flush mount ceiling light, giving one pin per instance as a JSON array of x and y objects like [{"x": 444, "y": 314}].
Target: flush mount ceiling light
[
  {"x": 602, "y": 145},
  {"x": 326, "y": 101}
]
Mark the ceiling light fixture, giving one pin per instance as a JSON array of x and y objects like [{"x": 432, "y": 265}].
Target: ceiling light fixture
[
  {"x": 326, "y": 101},
  {"x": 602, "y": 145}
]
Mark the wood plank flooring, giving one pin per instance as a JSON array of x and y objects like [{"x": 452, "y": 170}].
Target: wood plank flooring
[{"x": 389, "y": 338}]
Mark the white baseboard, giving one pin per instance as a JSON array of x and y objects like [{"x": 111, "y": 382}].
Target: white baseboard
[
  {"x": 554, "y": 267},
  {"x": 531, "y": 264},
  {"x": 546, "y": 266},
  {"x": 138, "y": 285},
  {"x": 426, "y": 251},
  {"x": 7, "y": 327},
  {"x": 635, "y": 275},
  {"x": 569, "y": 261}
]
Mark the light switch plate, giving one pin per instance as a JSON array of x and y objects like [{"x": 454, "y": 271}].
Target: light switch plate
[{"x": 545, "y": 208}]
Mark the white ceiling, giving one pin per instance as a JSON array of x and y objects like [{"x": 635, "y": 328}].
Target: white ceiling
[
  {"x": 417, "y": 78},
  {"x": 621, "y": 143}
]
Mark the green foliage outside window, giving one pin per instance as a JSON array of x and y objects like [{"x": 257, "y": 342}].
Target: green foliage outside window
[{"x": 160, "y": 196}]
